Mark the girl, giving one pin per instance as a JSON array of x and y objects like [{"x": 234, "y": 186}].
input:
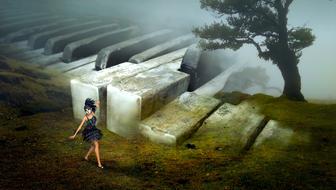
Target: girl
[{"x": 91, "y": 133}]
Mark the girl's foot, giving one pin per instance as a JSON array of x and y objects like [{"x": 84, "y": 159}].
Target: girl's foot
[
  {"x": 86, "y": 159},
  {"x": 100, "y": 167}
]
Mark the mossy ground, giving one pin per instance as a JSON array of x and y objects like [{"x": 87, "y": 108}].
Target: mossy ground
[{"x": 36, "y": 154}]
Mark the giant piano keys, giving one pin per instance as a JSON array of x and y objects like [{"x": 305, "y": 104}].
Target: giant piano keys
[
  {"x": 43, "y": 60},
  {"x": 92, "y": 45},
  {"x": 58, "y": 43},
  {"x": 179, "y": 119},
  {"x": 17, "y": 47},
  {"x": 135, "y": 98},
  {"x": 7, "y": 28},
  {"x": 26, "y": 32},
  {"x": 122, "y": 51},
  {"x": 28, "y": 54},
  {"x": 190, "y": 65},
  {"x": 94, "y": 84},
  {"x": 172, "y": 45},
  {"x": 24, "y": 17},
  {"x": 11, "y": 13},
  {"x": 65, "y": 67},
  {"x": 159, "y": 50},
  {"x": 81, "y": 48},
  {"x": 40, "y": 39}
]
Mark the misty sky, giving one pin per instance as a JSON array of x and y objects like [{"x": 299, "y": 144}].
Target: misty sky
[{"x": 317, "y": 66}]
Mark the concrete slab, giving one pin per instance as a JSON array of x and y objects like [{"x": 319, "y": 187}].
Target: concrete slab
[
  {"x": 178, "y": 120},
  {"x": 57, "y": 44},
  {"x": 90, "y": 46},
  {"x": 26, "y": 32},
  {"x": 133, "y": 99},
  {"x": 39, "y": 40},
  {"x": 172, "y": 45},
  {"x": 98, "y": 80},
  {"x": 121, "y": 52}
]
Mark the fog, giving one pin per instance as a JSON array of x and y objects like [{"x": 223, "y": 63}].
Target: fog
[{"x": 317, "y": 66}]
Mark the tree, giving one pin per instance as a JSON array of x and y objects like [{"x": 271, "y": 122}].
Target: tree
[{"x": 263, "y": 24}]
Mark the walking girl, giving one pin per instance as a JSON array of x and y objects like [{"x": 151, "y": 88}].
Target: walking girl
[{"x": 90, "y": 133}]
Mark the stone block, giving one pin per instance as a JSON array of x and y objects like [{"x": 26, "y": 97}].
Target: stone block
[{"x": 179, "y": 119}]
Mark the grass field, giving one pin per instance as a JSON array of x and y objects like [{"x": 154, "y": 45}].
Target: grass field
[{"x": 36, "y": 119}]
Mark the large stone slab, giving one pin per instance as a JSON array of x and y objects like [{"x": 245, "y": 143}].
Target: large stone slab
[
  {"x": 172, "y": 45},
  {"x": 276, "y": 135},
  {"x": 122, "y": 51},
  {"x": 238, "y": 126},
  {"x": 179, "y": 119},
  {"x": 57, "y": 44},
  {"x": 39, "y": 40},
  {"x": 97, "y": 81},
  {"x": 92, "y": 45},
  {"x": 92, "y": 85},
  {"x": 133, "y": 99}
]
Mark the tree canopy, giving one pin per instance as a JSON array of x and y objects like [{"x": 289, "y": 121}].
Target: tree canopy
[{"x": 263, "y": 24}]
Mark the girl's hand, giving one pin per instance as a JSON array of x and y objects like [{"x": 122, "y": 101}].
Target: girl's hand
[{"x": 72, "y": 137}]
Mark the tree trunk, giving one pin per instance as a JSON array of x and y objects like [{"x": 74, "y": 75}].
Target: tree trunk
[{"x": 292, "y": 79}]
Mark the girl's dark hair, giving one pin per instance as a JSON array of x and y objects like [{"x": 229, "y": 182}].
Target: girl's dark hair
[{"x": 89, "y": 103}]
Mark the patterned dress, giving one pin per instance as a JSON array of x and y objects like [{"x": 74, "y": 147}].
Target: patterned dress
[{"x": 91, "y": 132}]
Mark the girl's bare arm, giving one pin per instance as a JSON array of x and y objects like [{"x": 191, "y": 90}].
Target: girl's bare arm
[{"x": 78, "y": 129}]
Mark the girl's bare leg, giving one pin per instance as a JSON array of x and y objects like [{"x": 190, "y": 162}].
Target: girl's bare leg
[
  {"x": 97, "y": 152},
  {"x": 90, "y": 151}
]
